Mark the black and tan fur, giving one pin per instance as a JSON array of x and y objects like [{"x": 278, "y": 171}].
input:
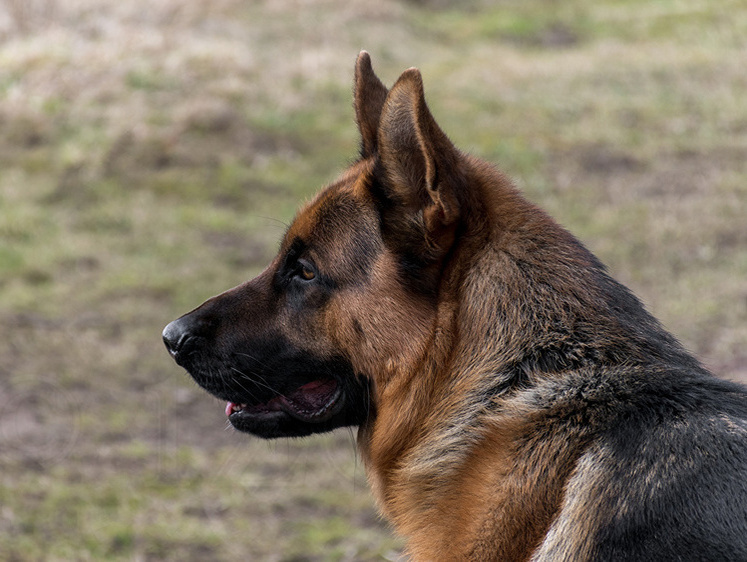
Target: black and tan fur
[{"x": 514, "y": 401}]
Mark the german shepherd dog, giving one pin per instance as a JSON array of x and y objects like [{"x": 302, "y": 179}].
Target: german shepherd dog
[{"x": 514, "y": 402}]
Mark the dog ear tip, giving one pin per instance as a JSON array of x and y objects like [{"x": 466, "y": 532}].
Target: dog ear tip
[
  {"x": 411, "y": 79},
  {"x": 363, "y": 60}
]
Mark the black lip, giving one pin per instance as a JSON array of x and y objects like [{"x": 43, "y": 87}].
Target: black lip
[
  {"x": 324, "y": 414},
  {"x": 274, "y": 424}
]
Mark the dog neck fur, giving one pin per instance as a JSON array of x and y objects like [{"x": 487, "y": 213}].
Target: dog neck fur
[{"x": 513, "y": 281}]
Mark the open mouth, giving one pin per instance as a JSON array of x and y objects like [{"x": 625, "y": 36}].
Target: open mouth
[{"x": 314, "y": 402}]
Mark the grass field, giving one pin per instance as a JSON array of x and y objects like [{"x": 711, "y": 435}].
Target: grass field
[{"x": 151, "y": 154}]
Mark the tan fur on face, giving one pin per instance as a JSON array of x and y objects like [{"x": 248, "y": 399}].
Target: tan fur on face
[
  {"x": 383, "y": 330},
  {"x": 378, "y": 327}
]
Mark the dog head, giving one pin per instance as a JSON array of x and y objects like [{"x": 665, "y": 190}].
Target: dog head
[{"x": 350, "y": 301}]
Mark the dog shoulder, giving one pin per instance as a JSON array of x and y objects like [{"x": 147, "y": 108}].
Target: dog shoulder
[{"x": 665, "y": 480}]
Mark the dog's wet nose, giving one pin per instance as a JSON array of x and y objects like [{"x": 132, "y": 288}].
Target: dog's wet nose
[
  {"x": 174, "y": 336},
  {"x": 181, "y": 335}
]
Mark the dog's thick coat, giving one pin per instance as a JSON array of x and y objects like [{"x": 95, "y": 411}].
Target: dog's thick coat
[{"x": 514, "y": 401}]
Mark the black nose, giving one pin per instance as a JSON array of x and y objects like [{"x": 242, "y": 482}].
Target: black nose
[
  {"x": 175, "y": 335},
  {"x": 185, "y": 335}
]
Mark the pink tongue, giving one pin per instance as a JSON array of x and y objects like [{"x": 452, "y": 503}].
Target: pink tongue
[{"x": 230, "y": 407}]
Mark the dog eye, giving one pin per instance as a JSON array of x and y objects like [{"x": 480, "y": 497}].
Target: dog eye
[{"x": 305, "y": 272}]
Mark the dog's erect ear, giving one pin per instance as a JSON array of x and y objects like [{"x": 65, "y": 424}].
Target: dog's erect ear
[
  {"x": 369, "y": 96},
  {"x": 419, "y": 161}
]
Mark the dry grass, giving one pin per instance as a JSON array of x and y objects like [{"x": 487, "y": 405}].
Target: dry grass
[{"x": 151, "y": 153}]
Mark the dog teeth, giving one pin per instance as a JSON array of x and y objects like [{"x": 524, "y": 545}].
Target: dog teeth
[{"x": 231, "y": 408}]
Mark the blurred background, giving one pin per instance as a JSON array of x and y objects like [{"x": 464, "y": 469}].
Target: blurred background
[{"x": 152, "y": 152}]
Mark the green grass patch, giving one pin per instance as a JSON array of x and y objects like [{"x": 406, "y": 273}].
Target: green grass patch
[{"x": 151, "y": 161}]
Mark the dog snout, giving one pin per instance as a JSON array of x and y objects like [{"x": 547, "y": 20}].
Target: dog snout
[
  {"x": 182, "y": 336},
  {"x": 175, "y": 335}
]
